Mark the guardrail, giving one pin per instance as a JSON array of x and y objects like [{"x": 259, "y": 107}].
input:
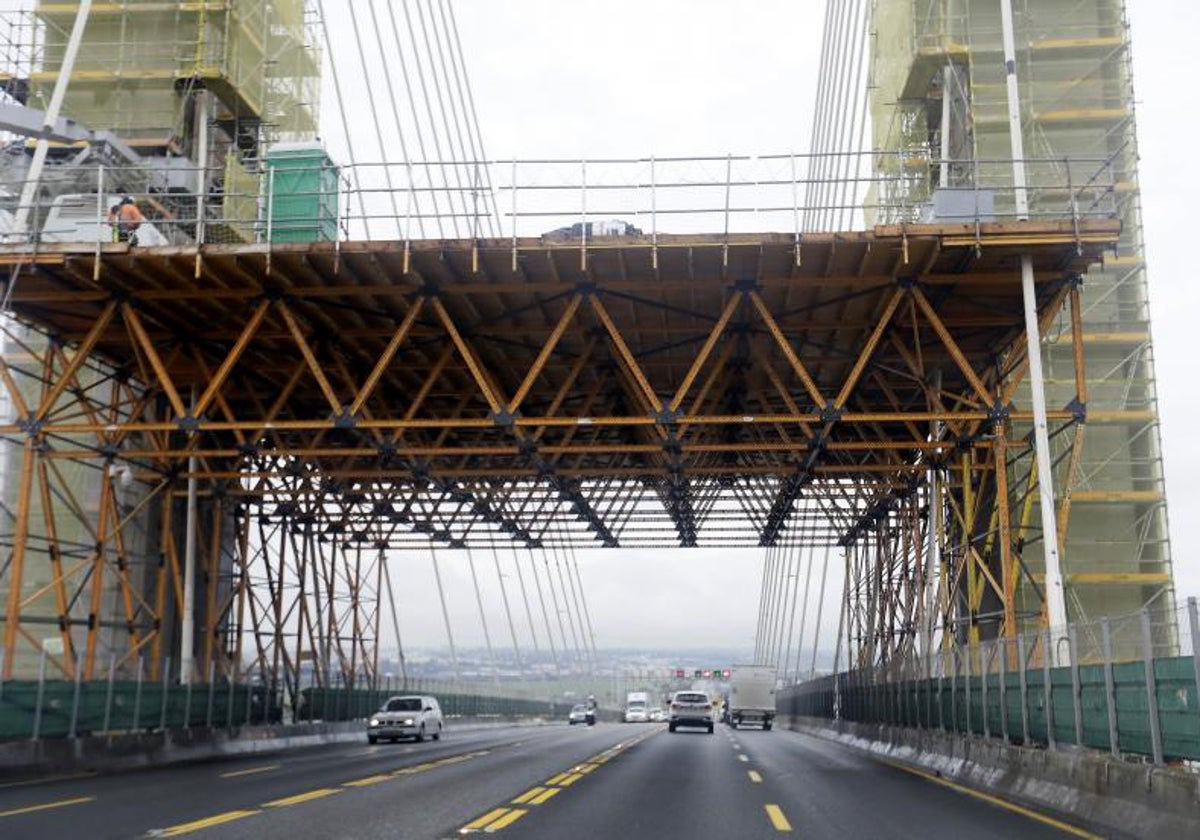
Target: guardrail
[
  {"x": 1146, "y": 706},
  {"x": 38, "y": 709},
  {"x": 136, "y": 697},
  {"x": 569, "y": 200}
]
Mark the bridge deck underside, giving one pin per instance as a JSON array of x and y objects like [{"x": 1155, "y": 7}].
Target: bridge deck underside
[{"x": 689, "y": 390}]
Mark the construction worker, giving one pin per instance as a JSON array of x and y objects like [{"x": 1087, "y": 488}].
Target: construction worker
[{"x": 125, "y": 218}]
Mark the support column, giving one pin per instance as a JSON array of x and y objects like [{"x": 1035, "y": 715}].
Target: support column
[{"x": 1056, "y": 607}]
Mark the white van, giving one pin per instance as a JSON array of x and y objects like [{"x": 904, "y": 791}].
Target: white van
[{"x": 410, "y": 716}]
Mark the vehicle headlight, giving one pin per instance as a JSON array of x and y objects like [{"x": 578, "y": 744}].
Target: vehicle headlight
[
  {"x": 407, "y": 721},
  {"x": 373, "y": 722}
]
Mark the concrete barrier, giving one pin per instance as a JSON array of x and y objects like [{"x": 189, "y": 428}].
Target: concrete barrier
[
  {"x": 127, "y": 751},
  {"x": 1111, "y": 796}
]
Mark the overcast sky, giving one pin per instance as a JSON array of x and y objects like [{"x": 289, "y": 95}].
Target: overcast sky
[{"x": 622, "y": 78}]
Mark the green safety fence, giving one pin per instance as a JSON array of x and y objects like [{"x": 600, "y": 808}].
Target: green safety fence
[
  {"x": 63, "y": 708},
  {"x": 336, "y": 704},
  {"x": 60, "y": 708},
  {"x": 1106, "y": 707}
]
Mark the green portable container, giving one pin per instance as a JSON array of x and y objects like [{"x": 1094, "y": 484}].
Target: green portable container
[{"x": 303, "y": 194}]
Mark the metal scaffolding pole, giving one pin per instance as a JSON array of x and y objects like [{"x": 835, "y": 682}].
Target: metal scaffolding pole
[{"x": 1056, "y": 606}]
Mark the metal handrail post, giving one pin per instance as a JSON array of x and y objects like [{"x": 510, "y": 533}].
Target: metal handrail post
[
  {"x": 1110, "y": 696},
  {"x": 967, "y": 692},
  {"x": 983, "y": 679},
  {"x": 101, "y": 220},
  {"x": 1048, "y": 689},
  {"x": 73, "y": 732},
  {"x": 108, "y": 698},
  {"x": 1022, "y": 663},
  {"x": 41, "y": 694},
  {"x": 512, "y": 218},
  {"x": 208, "y": 714},
  {"x": 1076, "y": 690},
  {"x": 166, "y": 688},
  {"x": 137, "y": 697},
  {"x": 1194, "y": 625},
  {"x": 1156, "y": 745},
  {"x": 1004, "y": 689}
]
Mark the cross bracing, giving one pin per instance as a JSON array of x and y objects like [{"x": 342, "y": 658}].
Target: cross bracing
[{"x": 334, "y": 401}]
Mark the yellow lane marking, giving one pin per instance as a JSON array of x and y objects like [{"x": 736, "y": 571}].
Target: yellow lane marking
[
  {"x": 528, "y": 795},
  {"x": 995, "y": 800},
  {"x": 743, "y": 757},
  {"x": 188, "y": 828},
  {"x": 319, "y": 793},
  {"x": 538, "y": 800},
  {"x": 46, "y": 779},
  {"x": 585, "y": 768},
  {"x": 369, "y": 780},
  {"x": 556, "y": 779},
  {"x": 486, "y": 819},
  {"x": 570, "y": 780},
  {"x": 754, "y": 776},
  {"x": 777, "y": 818},
  {"x": 508, "y": 819},
  {"x": 235, "y": 773},
  {"x": 62, "y": 803}
]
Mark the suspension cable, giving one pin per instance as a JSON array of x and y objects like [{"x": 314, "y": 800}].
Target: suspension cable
[
  {"x": 586, "y": 612},
  {"x": 477, "y": 148},
  {"x": 445, "y": 612},
  {"x": 337, "y": 87},
  {"x": 504, "y": 597},
  {"x": 812, "y": 668},
  {"x": 387, "y": 576}
]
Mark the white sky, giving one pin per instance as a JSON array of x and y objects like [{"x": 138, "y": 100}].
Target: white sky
[{"x": 623, "y": 78}]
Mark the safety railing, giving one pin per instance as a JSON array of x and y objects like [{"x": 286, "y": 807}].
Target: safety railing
[
  {"x": 575, "y": 201},
  {"x": 1128, "y": 685},
  {"x": 66, "y": 706}
]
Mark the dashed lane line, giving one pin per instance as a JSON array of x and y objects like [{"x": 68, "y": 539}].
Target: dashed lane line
[
  {"x": 532, "y": 793},
  {"x": 508, "y": 819},
  {"x": 755, "y": 776},
  {"x": 498, "y": 818},
  {"x": 233, "y": 774},
  {"x": 43, "y": 780},
  {"x": 491, "y": 820},
  {"x": 777, "y": 818},
  {"x": 743, "y": 757},
  {"x": 197, "y": 825},
  {"x": 546, "y": 794},
  {"x": 46, "y": 806},
  {"x": 319, "y": 793}
]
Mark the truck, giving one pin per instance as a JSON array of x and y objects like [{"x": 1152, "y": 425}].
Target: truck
[
  {"x": 637, "y": 707},
  {"x": 752, "y": 695}
]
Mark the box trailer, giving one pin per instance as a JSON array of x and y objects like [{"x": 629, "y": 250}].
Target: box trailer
[{"x": 752, "y": 695}]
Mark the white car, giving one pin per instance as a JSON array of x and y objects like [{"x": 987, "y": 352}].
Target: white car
[
  {"x": 636, "y": 714},
  {"x": 578, "y": 714},
  {"x": 690, "y": 708},
  {"x": 657, "y": 715},
  {"x": 412, "y": 716}
]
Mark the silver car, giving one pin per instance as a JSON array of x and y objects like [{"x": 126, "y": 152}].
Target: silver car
[
  {"x": 413, "y": 716},
  {"x": 690, "y": 708}
]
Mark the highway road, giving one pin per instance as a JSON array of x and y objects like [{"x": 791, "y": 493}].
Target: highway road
[{"x": 550, "y": 782}]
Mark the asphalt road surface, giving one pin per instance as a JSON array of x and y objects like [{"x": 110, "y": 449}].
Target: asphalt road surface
[{"x": 611, "y": 781}]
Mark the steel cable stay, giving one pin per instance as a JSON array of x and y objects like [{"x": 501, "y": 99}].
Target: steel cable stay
[{"x": 512, "y": 629}]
